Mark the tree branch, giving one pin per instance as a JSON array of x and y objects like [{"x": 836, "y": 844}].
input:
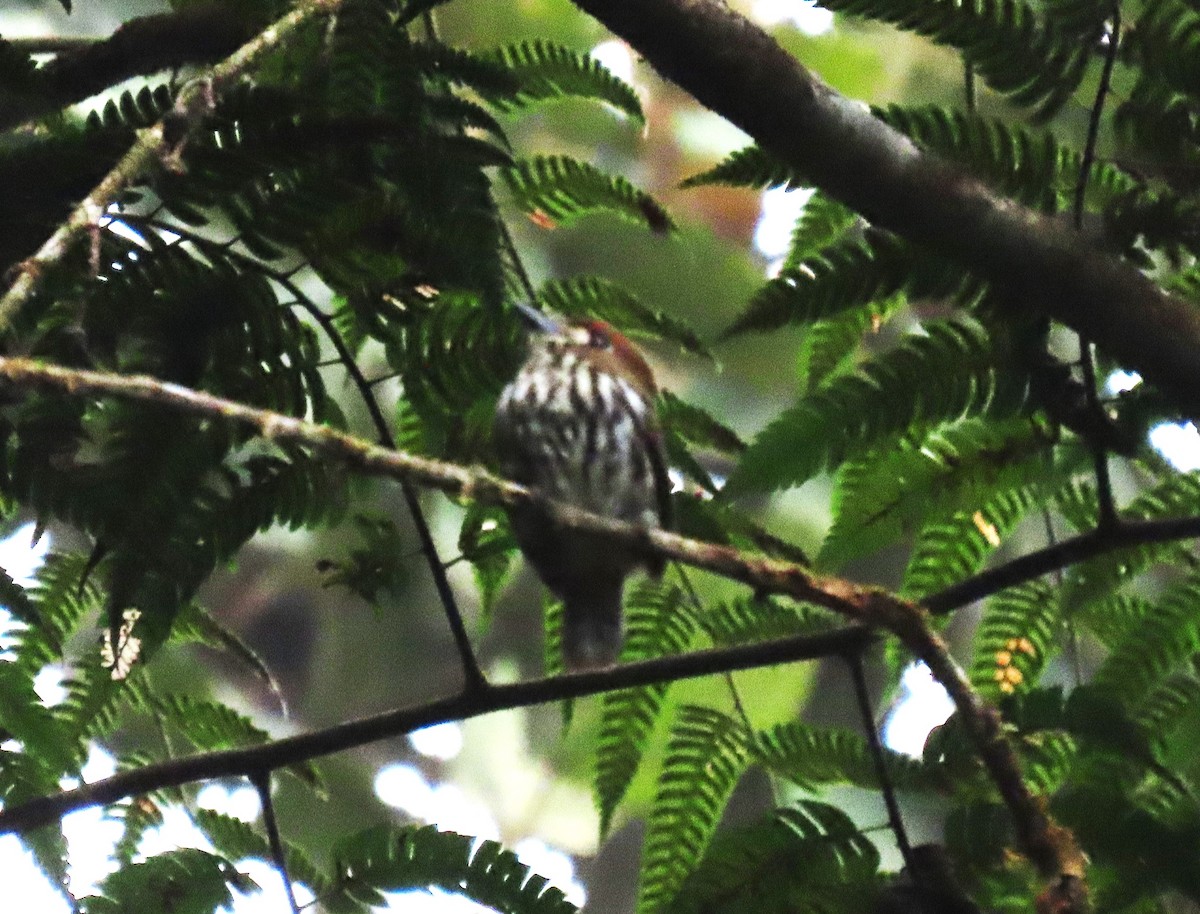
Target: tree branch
[
  {"x": 318, "y": 743},
  {"x": 154, "y": 145},
  {"x": 1051, "y": 848},
  {"x": 738, "y": 71},
  {"x": 1088, "y": 545}
]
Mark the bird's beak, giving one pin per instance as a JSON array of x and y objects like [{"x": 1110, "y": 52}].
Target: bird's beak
[{"x": 537, "y": 321}]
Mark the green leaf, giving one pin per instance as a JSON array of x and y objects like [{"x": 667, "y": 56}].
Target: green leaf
[
  {"x": 706, "y": 756},
  {"x": 564, "y": 188},
  {"x": 888, "y": 494},
  {"x": 184, "y": 881},
  {"x": 751, "y": 167},
  {"x": 809, "y": 857},
  {"x": 848, "y": 274},
  {"x": 951, "y": 548},
  {"x": 237, "y": 839},
  {"x": 1016, "y": 637},
  {"x": 1031, "y": 62},
  {"x": 486, "y": 541},
  {"x": 392, "y": 859},
  {"x": 945, "y": 374},
  {"x": 1094, "y": 580},
  {"x": 591, "y": 296},
  {"x": 25, "y": 718},
  {"x": 809, "y": 756},
  {"x": 697, "y": 426},
  {"x": 659, "y": 623},
  {"x": 753, "y": 619},
  {"x": 544, "y": 69},
  {"x": 1166, "y": 640}
]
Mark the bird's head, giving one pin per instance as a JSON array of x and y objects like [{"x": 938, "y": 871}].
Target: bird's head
[{"x": 594, "y": 341}]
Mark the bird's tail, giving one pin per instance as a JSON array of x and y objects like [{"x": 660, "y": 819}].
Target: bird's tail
[{"x": 592, "y": 630}]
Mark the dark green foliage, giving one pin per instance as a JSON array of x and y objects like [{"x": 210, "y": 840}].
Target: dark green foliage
[
  {"x": 563, "y": 188},
  {"x": 341, "y": 214},
  {"x": 593, "y": 297},
  {"x": 237, "y": 840},
  {"x": 543, "y": 69},
  {"x": 750, "y": 620},
  {"x": 1035, "y": 63},
  {"x": 706, "y": 756},
  {"x": 1017, "y": 635},
  {"x": 386, "y": 859},
  {"x": 809, "y": 756},
  {"x": 887, "y": 494},
  {"x": 1030, "y": 166},
  {"x": 750, "y": 167},
  {"x": 486, "y": 541},
  {"x": 188, "y": 881},
  {"x": 658, "y": 623},
  {"x": 849, "y": 274},
  {"x": 807, "y": 857},
  {"x": 944, "y": 375}
]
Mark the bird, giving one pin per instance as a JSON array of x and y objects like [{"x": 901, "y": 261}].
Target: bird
[{"x": 578, "y": 424}]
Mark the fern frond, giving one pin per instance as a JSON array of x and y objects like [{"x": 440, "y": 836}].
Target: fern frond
[
  {"x": 822, "y": 222},
  {"x": 23, "y": 717},
  {"x": 1015, "y": 639},
  {"x": 849, "y": 274},
  {"x": 60, "y": 598},
  {"x": 486, "y": 541},
  {"x": 1156, "y": 648},
  {"x": 1031, "y": 63},
  {"x": 1029, "y": 166},
  {"x": 750, "y": 167},
  {"x": 237, "y": 839},
  {"x": 23, "y": 777},
  {"x": 593, "y": 296},
  {"x": 809, "y": 857},
  {"x": 706, "y": 755},
  {"x": 944, "y": 375},
  {"x": 885, "y": 495},
  {"x": 563, "y": 188},
  {"x": 697, "y": 426},
  {"x": 749, "y": 620},
  {"x": 1165, "y": 43},
  {"x": 544, "y": 70},
  {"x": 809, "y": 756},
  {"x": 659, "y": 624},
  {"x": 830, "y": 345},
  {"x": 1095, "y": 579},
  {"x": 952, "y": 548},
  {"x": 389, "y": 859},
  {"x": 154, "y": 884}
]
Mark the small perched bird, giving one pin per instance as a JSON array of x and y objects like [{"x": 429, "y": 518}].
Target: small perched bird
[{"x": 578, "y": 424}]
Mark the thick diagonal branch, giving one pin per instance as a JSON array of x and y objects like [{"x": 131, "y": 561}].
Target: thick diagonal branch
[{"x": 737, "y": 70}]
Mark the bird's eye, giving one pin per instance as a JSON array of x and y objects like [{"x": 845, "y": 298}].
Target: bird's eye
[{"x": 599, "y": 338}]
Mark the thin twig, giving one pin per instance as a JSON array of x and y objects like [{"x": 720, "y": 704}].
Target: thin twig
[
  {"x": 154, "y": 145},
  {"x": 1104, "y": 493},
  {"x": 262, "y": 783},
  {"x": 865, "y": 711},
  {"x": 969, "y": 85}
]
